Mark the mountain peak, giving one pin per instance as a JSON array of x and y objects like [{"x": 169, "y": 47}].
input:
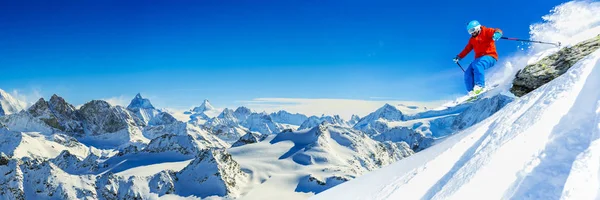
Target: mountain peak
[
  {"x": 138, "y": 102},
  {"x": 206, "y": 106}
]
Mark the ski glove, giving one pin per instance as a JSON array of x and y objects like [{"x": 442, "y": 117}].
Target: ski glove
[
  {"x": 497, "y": 35},
  {"x": 456, "y": 59}
]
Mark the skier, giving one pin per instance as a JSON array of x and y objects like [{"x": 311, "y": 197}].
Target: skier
[{"x": 483, "y": 42}]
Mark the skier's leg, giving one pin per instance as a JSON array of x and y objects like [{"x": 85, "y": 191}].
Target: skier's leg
[
  {"x": 489, "y": 62},
  {"x": 479, "y": 68},
  {"x": 469, "y": 77}
]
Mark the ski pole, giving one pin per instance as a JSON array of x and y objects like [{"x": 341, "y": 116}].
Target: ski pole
[
  {"x": 460, "y": 66},
  {"x": 522, "y": 40}
]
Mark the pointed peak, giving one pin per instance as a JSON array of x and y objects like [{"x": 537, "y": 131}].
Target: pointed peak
[
  {"x": 41, "y": 101},
  {"x": 243, "y": 109},
  {"x": 204, "y": 107},
  {"x": 138, "y": 102}
]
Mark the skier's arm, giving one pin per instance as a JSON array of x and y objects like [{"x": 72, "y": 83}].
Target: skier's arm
[
  {"x": 495, "y": 33},
  {"x": 466, "y": 51}
]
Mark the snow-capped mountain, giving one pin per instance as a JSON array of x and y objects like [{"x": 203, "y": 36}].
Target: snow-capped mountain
[
  {"x": 206, "y": 106},
  {"x": 314, "y": 121},
  {"x": 242, "y": 113},
  {"x": 284, "y": 117},
  {"x": 354, "y": 120},
  {"x": 8, "y": 104},
  {"x": 203, "y": 113},
  {"x": 211, "y": 173},
  {"x": 142, "y": 108}
]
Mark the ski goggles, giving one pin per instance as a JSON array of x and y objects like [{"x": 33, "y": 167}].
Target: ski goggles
[{"x": 474, "y": 29}]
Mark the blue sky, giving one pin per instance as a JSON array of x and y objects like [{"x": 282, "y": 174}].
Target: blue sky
[{"x": 234, "y": 51}]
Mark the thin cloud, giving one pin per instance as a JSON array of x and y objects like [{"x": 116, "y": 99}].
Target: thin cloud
[
  {"x": 27, "y": 99},
  {"x": 118, "y": 100}
]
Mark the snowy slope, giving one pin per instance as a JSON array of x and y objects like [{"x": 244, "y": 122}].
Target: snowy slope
[
  {"x": 421, "y": 127},
  {"x": 297, "y": 164},
  {"x": 8, "y": 104},
  {"x": 541, "y": 146}
]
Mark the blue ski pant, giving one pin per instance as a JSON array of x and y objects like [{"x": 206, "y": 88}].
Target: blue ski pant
[{"x": 474, "y": 74}]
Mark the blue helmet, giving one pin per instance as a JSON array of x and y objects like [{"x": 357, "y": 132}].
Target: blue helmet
[{"x": 473, "y": 26}]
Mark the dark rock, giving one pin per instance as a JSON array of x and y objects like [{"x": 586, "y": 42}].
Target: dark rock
[{"x": 535, "y": 75}]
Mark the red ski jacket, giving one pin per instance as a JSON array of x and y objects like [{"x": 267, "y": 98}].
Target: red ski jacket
[{"x": 483, "y": 44}]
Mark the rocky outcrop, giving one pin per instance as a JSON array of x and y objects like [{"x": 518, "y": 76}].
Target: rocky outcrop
[
  {"x": 535, "y": 75},
  {"x": 58, "y": 114},
  {"x": 249, "y": 138},
  {"x": 100, "y": 117},
  {"x": 315, "y": 185}
]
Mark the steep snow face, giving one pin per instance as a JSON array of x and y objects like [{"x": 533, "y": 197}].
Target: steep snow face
[
  {"x": 544, "y": 145},
  {"x": 354, "y": 120},
  {"x": 284, "y": 117},
  {"x": 143, "y": 109},
  {"x": 8, "y": 104}
]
